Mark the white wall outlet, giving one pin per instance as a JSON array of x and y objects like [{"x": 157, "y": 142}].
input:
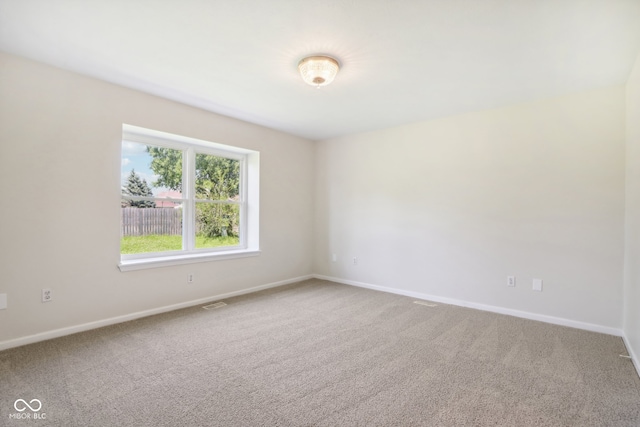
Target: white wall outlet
[
  {"x": 511, "y": 281},
  {"x": 334, "y": 257},
  {"x": 190, "y": 278},
  {"x": 47, "y": 295},
  {"x": 3, "y": 301},
  {"x": 355, "y": 260},
  {"x": 537, "y": 285}
]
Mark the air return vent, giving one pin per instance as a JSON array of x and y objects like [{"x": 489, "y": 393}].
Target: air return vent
[
  {"x": 427, "y": 303},
  {"x": 214, "y": 305}
]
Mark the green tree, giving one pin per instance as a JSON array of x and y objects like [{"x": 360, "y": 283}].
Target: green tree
[
  {"x": 167, "y": 164},
  {"x": 136, "y": 186},
  {"x": 217, "y": 179}
]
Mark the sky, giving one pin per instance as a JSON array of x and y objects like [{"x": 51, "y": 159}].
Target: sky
[{"x": 135, "y": 156}]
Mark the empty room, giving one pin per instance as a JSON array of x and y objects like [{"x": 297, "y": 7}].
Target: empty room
[{"x": 327, "y": 213}]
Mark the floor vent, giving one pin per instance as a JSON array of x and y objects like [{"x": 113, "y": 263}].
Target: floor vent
[
  {"x": 214, "y": 305},
  {"x": 427, "y": 303}
]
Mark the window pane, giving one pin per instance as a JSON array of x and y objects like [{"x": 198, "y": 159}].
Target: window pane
[
  {"x": 217, "y": 224},
  {"x": 148, "y": 170},
  {"x": 217, "y": 178},
  {"x": 149, "y": 225},
  {"x": 146, "y": 229}
]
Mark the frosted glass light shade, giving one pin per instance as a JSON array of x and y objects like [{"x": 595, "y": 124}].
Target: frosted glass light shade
[{"x": 318, "y": 70}]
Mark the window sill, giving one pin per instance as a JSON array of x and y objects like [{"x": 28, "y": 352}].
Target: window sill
[{"x": 166, "y": 261}]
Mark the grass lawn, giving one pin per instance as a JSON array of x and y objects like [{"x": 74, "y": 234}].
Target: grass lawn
[{"x": 158, "y": 243}]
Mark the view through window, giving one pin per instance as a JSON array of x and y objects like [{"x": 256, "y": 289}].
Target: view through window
[{"x": 181, "y": 198}]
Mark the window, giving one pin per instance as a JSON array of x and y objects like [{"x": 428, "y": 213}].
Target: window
[{"x": 185, "y": 200}]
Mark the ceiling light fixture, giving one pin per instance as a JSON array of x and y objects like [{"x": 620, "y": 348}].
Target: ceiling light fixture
[{"x": 318, "y": 70}]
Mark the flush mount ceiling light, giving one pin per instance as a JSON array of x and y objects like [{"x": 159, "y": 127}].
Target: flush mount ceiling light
[{"x": 318, "y": 70}]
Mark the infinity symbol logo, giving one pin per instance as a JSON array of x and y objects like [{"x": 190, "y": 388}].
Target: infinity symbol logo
[{"x": 26, "y": 405}]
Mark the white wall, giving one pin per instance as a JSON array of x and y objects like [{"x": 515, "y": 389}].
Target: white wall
[
  {"x": 448, "y": 207},
  {"x": 632, "y": 229},
  {"x": 451, "y": 207},
  {"x": 60, "y": 172}
]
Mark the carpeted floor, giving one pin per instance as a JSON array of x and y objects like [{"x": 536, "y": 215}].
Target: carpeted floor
[{"x": 324, "y": 354}]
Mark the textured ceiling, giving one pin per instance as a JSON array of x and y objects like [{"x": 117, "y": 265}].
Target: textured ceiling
[{"x": 402, "y": 61}]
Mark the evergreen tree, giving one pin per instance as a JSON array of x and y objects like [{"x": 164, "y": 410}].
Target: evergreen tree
[{"x": 136, "y": 186}]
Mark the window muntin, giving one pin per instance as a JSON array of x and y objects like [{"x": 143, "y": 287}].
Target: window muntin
[{"x": 198, "y": 196}]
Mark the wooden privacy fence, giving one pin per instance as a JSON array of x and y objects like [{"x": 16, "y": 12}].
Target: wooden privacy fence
[{"x": 145, "y": 221}]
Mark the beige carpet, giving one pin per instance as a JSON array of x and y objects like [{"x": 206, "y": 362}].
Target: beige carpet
[{"x": 323, "y": 354}]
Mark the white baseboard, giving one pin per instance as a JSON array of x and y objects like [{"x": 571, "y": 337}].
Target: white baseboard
[
  {"x": 494, "y": 309},
  {"x": 634, "y": 357},
  {"x": 43, "y": 336},
  {"x": 501, "y": 310}
]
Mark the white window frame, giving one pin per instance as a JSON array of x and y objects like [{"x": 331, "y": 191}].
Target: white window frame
[{"x": 249, "y": 200}]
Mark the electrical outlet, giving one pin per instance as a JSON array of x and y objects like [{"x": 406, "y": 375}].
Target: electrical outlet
[
  {"x": 334, "y": 257},
  {"x": 511, "y": 281},
  {"x": 190, "y": 278},
  {"x": 537, "y": 285},
  {"x": 355, "y": 261},
  {"x": 47, "y": 295}
]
